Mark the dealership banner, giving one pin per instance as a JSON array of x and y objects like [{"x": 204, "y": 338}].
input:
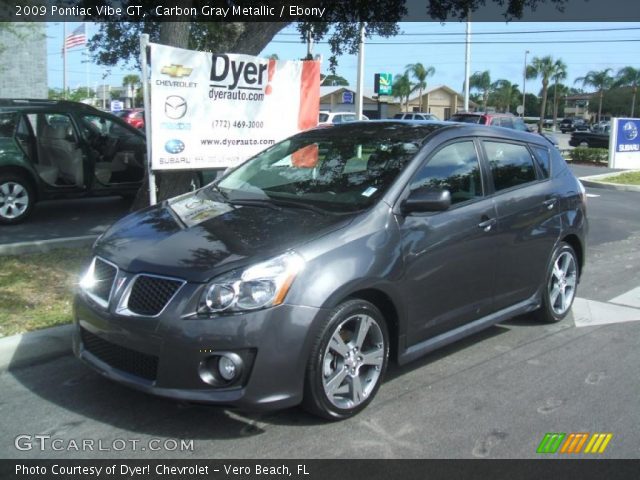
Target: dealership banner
[{"x": 216, "y": 110}]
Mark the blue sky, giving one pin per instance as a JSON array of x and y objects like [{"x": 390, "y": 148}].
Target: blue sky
[{"x": 504, "y": 60}]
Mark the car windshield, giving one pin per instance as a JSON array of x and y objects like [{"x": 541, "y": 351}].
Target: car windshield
[
  {"x": 344, "y": 169},
  {"x": 466, "y": 118}
]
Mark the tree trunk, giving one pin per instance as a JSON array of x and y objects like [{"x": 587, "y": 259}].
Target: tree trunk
[
  {"x": 600, "y": 105},
  {"x": 543, "y": 107},
  {"x": 247, "y": 38},
  {"x": 633, "y": 99},
  {"x": 555, "y": 106}
]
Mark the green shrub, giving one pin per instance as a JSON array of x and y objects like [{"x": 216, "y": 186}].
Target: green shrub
[{"x": 589, "y": 155}]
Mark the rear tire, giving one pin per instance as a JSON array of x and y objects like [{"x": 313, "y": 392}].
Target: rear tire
[
  {"x": 561, "y": 281},
  {"x": 17, "y": 198},
  {"x": 347, "y": 362}
]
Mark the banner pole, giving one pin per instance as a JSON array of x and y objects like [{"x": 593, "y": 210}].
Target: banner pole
[{"x": 144, "y": 63}]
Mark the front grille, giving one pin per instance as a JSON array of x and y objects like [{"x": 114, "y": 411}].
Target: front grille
[
  {"x": 125, "y": 359},
  {"x": 149, "y": 295},
  {"x": 104, "y": 275}
]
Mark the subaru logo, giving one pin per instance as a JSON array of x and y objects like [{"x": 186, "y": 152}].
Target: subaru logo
[
  {"x": 630, "y": 131},
  {"x": 175, "y": 107},
  {"x": 174, "y": 146}
]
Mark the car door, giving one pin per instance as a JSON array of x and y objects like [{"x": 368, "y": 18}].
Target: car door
[
  {"x": 449, "y": 256},
  {"x": 527, "y": 225}
]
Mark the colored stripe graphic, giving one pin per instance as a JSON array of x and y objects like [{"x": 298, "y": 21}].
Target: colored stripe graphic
[
  {"x": 574, "y": 443},
  {"x": 551, "y": 442},
  {"x": 598, "y": 443}
]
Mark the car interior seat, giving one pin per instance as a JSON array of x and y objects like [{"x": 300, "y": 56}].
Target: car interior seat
[{"x": 58, "y": 151}]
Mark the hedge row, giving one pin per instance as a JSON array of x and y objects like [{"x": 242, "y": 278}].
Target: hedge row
[{"x": 589, "y": 155}]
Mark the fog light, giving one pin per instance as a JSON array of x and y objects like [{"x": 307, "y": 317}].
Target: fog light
[{"x": 227, "y": 368}]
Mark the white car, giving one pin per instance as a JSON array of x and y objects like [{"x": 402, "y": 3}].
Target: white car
[{"x": 326, "y": 117}]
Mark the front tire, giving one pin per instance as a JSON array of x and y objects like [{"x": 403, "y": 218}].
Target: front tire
[
  {"x": 561, "y": 282},
  {"x": 16, "y": 199},
  {"x": 347, "y": 362}
]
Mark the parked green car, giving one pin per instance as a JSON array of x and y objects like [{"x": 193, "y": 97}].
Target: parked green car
[{"x": 60, "y": 149}]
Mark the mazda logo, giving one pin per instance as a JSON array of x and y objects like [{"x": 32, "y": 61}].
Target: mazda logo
[{"x": 175, "y": 107}]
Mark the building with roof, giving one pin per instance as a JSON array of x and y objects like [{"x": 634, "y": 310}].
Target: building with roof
[{"x": 440, "y": 100}]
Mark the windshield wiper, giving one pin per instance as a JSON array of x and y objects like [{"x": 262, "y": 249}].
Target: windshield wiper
[{"x": 254, "y": 202}]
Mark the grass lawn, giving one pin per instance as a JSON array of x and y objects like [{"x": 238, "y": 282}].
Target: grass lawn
[
  {"x": 629, "y": 178},
  {"x": 36, "y": 290}
]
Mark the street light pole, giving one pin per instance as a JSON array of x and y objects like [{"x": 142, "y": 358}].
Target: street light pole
[
  {"x": 524, "y": 83},
  {"x": 467, "y": 62},
  {"x": 360, "y": 79}
]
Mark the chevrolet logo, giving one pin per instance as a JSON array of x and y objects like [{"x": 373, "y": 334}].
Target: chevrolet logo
[{"x": 175, "y": 71}]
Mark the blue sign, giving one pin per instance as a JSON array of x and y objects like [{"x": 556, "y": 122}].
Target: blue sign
[
  {"x": 174, "y": 146},
  {"x": 628, "y": 138},
  {"x": 347, "y": 96}
]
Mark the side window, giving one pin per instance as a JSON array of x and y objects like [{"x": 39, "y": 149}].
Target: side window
[
  {"x": 511, "y": 165},
  {"x": 337, "y": 119},
  {"x": 455, "y": 168},
  {"x": 495, "y": 122},
  {"x": 7, "y": 124},
  {"x": 506, "y": 123},
  {"x": 542, "y": 159},
  {"x": 519, "y": 124}
]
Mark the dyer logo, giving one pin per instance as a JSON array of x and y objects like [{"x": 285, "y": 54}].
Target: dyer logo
[
  {"x": 174, "y": 146},
  {"x": 573, "y": 443},
  {"x": 232, "y": 74},
  {"x": 176, "y": 71},
  {"x": 175, "y": 107}
]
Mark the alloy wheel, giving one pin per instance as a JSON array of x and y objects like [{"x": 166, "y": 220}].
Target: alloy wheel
[
  {"x": 352, "y": 362},
  {"x": 562, "y": 284},
  {"x": 14, "y": 200}
]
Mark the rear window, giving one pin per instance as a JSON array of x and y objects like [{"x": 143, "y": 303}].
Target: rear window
[
  {"x": 398, "y": 116},
  {"x": 466, "y": 118},
  {"x": 8, "y": 122},
  {"x": 323, "y": 117}
]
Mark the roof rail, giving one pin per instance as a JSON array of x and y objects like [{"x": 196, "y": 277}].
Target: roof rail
[{"x": 16, "y": 102}]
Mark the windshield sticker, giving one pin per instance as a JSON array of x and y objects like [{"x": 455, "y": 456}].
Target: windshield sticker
[
  {"x": 369, "y": 191},
  {"x": 193, "y": 210}
]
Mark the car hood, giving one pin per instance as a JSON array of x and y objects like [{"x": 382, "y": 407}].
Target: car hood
[{"x": 195, "y": 238}]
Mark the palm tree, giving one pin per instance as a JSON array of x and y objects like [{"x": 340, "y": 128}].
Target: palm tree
[
  {"x": 629, "y": 77},
  {"x": 558, "y": 76},
  {"x": 600, "y": 80},
  {"x": 482, "y": 81},
  {"x": 504, "y": 91},
  {"x": 402, "y": 88},
  {"x": 420, "y": 73},
  {"x": 544, "y": 68},
  {"x": 134, "y": 81}
]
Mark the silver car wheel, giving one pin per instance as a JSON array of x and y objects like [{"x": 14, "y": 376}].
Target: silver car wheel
[
  {"x": 562, "y": 284},
  {"x": 14, "y": 200},
  {"x": 352, "y": 361}
]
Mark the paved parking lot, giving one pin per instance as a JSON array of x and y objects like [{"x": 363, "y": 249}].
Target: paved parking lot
[{"x": 493, "y": 395}]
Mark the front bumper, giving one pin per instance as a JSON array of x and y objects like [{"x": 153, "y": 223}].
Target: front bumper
[{"x": 170, "y": 350}]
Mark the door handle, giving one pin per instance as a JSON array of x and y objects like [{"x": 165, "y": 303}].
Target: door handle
[
  {"x": 487, "y": 224},
  {"x": 550, "y": 203}
]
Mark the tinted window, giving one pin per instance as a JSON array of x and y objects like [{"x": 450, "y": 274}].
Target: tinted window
[
  {"x": 398, "y": 116},
  {"x": 466, "y": 118},
  {"x": 511, "y": 165},
  {"x": 542, "y": 159},
  {"x": 496, "y": 122},
  {"x": 7, "y": 124},
  {"x": 454, "y": 168},
  {"x": 323, "y": 117}
]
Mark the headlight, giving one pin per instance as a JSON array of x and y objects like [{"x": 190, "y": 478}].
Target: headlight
[{"x": 262, "y": 285}]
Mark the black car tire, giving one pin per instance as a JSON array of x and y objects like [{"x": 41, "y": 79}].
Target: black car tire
[
  {"x": 11, "y": 180},
  {"x": 316, "y": 400},
  {"x": 547, "y": 313}
]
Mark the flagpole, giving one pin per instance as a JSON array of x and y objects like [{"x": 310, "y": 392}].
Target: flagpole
[
  {"x": 64, "y": 60},
  {"x": 86, "y": 52}
]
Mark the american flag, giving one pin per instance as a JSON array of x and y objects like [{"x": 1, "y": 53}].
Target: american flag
[{"x": 76, "y": 38}]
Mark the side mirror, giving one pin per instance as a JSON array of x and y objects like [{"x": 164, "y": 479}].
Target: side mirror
[{"x": 426, "y": 200}]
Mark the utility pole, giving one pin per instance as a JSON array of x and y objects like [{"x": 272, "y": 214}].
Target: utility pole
[
  {"x": 524, "y": 83},
  {"x": 467, "y": 63},
  {"x": 360, "y": 81}
]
